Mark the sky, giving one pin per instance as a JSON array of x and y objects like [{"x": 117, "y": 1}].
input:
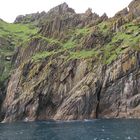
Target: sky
[{"x": 10, "y": 9}]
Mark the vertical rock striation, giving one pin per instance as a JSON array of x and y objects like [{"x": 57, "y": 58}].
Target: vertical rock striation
[{"x": 78, "y": 66}]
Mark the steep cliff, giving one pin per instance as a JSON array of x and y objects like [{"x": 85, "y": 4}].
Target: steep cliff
[{"x": 77, "y": 66}]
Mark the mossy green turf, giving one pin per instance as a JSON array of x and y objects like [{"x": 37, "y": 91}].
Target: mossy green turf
[
  {"x": 41, "y": 55},
  {"x": 19, "y": 32},
  {"x": 129, "y": 36},
  {"x": 15, "y": 34}
]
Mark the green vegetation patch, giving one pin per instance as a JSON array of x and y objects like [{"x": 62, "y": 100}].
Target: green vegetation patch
[
  {"x": 48, "y": 40},
  {"x": 42, "y": 55},
  {"x": 110, "y": 53},
  {"x": 104, "y": 27},
  {"x": 82, "y": 31},
  {"x": 19, "y": 32},
  {"x": 130, "y": 36},
  {"x": 11, "y": 35},
  {"x": 69, "y": 44},
  {"x": 6, "y": 66},
  {"x": 76, "y": 37},
  {"x": 83, "y": 54}
]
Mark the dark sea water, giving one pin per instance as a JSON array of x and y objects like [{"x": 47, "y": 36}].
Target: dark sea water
[{"x": 120, "y": 129}]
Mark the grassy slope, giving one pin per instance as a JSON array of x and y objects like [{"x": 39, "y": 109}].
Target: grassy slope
[
  {"x": 12, "y": 34},
  {"x": 19, "y": 32}
]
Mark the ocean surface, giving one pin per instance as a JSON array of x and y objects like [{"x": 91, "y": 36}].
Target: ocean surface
[{"x": 109, "y": 129}]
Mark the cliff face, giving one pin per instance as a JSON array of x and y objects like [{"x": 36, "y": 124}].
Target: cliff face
[{"x": 78, "y": 66}]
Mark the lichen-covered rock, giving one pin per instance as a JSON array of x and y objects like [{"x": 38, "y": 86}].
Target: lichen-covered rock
[
  {"x": 30, "y": 18},
  {"x": 117, "y": 24},
  {"x": 74, "y": 92},
  {"x": 78, "y": 66},
  {"x": 78, "y": 91},
  {"x": 122, "y": 13},
  {"x": 134, "y": 8},
  {"x": 88, "y": 12},
  {"x": 60, "y": 10},
  {"x": 121, "y": 89},
  {"x": 104, "y": 17}
]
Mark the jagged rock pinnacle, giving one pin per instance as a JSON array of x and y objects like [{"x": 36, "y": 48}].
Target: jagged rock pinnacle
[
  {"x": 61, "y": 9},
  {"x": 88, "y": 12},
  {"x": 134, "y": 8}
]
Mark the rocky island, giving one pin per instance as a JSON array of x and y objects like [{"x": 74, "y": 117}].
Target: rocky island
[{"x": 61, "y": 65}]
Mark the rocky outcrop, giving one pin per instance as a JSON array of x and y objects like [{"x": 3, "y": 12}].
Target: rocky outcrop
[
  {"x": 78, "y": 91},
  {"x": 3, "y": 90},
  {"x": 78, "y": 66},
  {"x": 61, "y": 9},
  {"x": 121, "y": 88},
  {"x": 58, "y": 25},
  {"x": 122, "y": 13},
  {"x": 134, "y": 8},
  {"x": 62, "y": 18},
  {"x": 30, "y": 18},
  {"x": 74, "y": 92},
  {"x": 104, "y": 17},
  {"x": 37, "y": 18},
  {"x": 118, "y": 24}
]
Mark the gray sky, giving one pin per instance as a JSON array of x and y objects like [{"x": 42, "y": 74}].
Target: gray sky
[{"x": 9, "y": 9}]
